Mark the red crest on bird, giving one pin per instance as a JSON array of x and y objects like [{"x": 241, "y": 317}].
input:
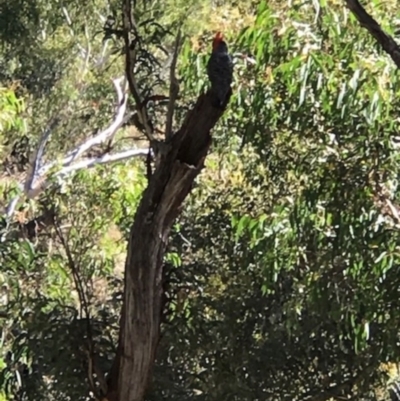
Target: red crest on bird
[{"x": 218, "y": 38}]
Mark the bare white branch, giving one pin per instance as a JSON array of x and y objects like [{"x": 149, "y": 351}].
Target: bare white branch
[
  {"x": 102, "y": 136},
  {"x": 85, "y": 164},
  {"x": 67, "y": 17},
  {"x": 37, "y": 174},
  {"x": 104, "y": 56},
  {"x": 110, "y": 131},
  {"x": 107, "y": 158},
  {"x": 11, "y": 206},
  {"x": 34, "y": 169}
]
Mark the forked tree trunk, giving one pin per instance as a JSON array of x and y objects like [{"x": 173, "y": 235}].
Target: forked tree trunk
[{"x": 160, "y": 205}]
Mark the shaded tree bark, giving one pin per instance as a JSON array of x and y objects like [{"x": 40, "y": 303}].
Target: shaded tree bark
[{"x": 179, "y": 164}]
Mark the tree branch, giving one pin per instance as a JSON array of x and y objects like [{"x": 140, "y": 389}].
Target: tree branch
[
  {"x": 143, "y": 293},
  {"x": 131, "y": 37},
  {"x": 104, "y": 135},
  {"x": 37, "y": 174},
  {"x": 105, "y": 159},
  {"x": 173, "y": 88},
  {"x": 10, "y": 209},
  {"x": 388, "y": 44},
  {"x": 34, "y": 169}
]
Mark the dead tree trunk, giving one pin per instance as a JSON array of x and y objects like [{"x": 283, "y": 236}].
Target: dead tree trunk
[{"x": 160, "y": 205}]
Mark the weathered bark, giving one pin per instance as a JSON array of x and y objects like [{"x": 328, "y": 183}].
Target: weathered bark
[{"x": 171, "y": 182}]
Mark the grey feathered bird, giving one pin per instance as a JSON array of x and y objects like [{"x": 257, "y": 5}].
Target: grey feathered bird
[{"x": 220, "y": 69}]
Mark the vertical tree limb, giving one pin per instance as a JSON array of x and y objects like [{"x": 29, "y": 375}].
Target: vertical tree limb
[
  {"x": 160, "y": 205},
  {"x": 179, "y": 163},
  {"x": 174, "y": 88},
  {"x": 131, "y": 37}
]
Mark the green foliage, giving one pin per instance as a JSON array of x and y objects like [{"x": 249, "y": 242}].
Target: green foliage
[
  {"x": 10, "y": 106},
  {"x": 47, "y": 334},
  {"x": 297, "y": 263},
  {"x": 283, "y": 267}
]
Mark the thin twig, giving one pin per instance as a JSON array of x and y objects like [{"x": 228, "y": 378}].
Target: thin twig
[
  {"x": 130, "y": 35},
  {"x": 10, "y": 210},
  {"x": 35, "y": 165},
  {"x": 173, "y": 88},
  {"x": 388, "y": 44},
  {"x": 107, "y": 158},
  {"x": 84, "y": 303}
]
